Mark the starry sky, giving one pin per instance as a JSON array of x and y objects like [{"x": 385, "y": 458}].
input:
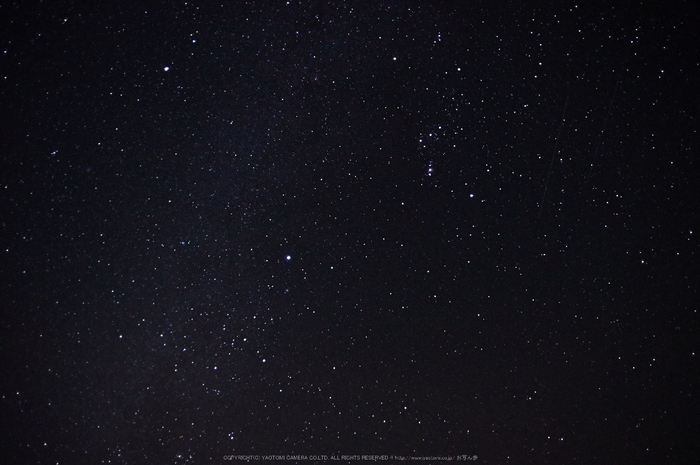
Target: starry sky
[{"x": 392, "y": 227}]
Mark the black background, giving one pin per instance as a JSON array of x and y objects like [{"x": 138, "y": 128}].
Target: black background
[{"x": 489, "y": 208}]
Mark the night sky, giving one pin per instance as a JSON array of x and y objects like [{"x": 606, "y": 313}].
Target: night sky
[{"x": 454, "y": 229}]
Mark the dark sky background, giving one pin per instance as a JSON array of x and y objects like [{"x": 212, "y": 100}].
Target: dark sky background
[{"x": 413, "y": 228}]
